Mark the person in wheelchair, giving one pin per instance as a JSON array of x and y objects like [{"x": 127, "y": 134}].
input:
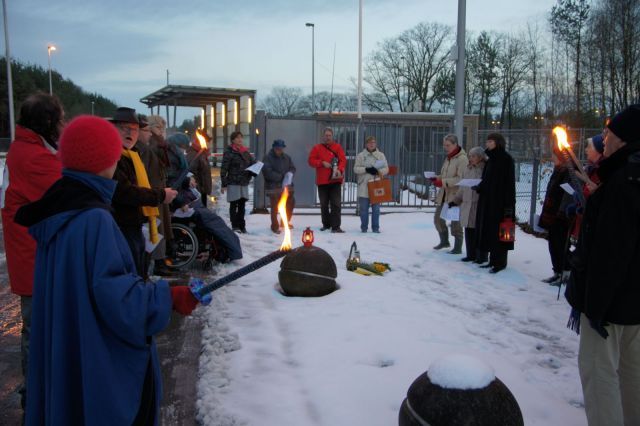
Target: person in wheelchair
[{"x": 187, "y": 207}]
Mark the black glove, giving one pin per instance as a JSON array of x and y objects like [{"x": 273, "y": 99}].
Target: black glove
[
  {"x": 251, "y": 173},
  {"x": 452, "y": 204},
  {"x": 371, "y": 170},
  {"x": 476, "y": 188},
  {"x": 598, "y": 326}
]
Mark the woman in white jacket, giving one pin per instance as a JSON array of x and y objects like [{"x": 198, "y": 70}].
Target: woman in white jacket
[{"x": 369, "y": 164}]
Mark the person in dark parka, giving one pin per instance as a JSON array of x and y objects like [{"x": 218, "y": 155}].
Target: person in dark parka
[
  {"x": 199, "y": 165},
  {"x": 497, "y": 200},
  {"x": 276, "y": 165},
  {"x": 93, "y": 358},
  {"x": 235, "y": 179},
  {"x": 604, "y": 286}
]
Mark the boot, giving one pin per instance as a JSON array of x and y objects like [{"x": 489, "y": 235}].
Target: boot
[
  {"x": 444, "y": 241},
  {"x": 457, "y": 246}
]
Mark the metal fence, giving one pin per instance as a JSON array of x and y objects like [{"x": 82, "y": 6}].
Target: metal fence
[{"x": 531, "y": 152}]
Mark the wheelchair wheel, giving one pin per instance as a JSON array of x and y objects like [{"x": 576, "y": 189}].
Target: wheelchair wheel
[{"x": 185, "y": 246}]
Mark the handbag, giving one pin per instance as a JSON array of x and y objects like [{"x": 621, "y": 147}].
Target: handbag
[{"x": 379, "y": 190}]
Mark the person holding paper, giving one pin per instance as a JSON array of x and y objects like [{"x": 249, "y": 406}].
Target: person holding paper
[
  {"x": 235, "y": 179},
  {"x": 467, "y": 199},
  {"x": 330, "y": 162},
  {"x": 497, "y": 201},
  {"x": 135, "y": 201},
  {"x": 278, "y": 171},
  {"x": 554, "y": 218},
  {"x": 370, "y": 163},
  {"x": 451, "y": 172}
]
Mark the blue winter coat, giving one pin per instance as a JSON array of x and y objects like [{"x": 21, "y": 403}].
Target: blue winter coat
[{"x": 93, "y": 317}]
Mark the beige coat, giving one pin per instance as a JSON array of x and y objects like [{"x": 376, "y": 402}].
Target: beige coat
[
  {"x": 450, "y": 175},
  {"x": 368, "y": 159},
  {"x": 467, "y": 198}
]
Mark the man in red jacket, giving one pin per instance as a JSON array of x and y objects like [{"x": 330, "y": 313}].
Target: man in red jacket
[
  {"x": 329, "y": 161},
  {"x": 31, "y": 168}
]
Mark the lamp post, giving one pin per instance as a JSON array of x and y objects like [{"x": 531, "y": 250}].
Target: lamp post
[
  {"x": 49, "y": 49},
  {"x": 313, "y": 67},
  {"x": 92, "y": 111}
]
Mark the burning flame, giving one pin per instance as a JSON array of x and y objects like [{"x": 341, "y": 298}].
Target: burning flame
[
  {"x": 282, "y": 209},
  {"x": 201, "y": 140},
  {"x": 561, "y": 136}
]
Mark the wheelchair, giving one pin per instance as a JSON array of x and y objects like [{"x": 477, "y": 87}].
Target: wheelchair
[{"x": 192, "y": 244}]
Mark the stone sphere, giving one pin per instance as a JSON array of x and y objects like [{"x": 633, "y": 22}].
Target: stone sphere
[
  {"x": 429, "y": 403},
  {"x": 308, "y": 272}
]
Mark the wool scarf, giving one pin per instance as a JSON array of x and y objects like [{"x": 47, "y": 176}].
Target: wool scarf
[{"x": 143, "y": 181}]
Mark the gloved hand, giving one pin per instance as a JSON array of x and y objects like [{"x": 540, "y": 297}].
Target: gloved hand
[
  {"x": 251, "y": 173},
  {"x": 452, "y": 204},
  {"x": 371, "y": 170},
  {"x": 476, "y": 188},
  {"x": 436, "y": 182},
  {"x": 598, "y": 326},
  {"x": 184, "y": 302}
]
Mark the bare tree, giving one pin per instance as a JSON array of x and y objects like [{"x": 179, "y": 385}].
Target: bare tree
[
  {"x": 283, "y": 101},
  {"x": 513, "y": 65}
]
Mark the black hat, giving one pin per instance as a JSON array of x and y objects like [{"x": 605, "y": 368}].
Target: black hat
[
  {"x": 142, "y": 120},
  {"x": 125, "y": 115},
  {"x": 279, "y": 143},
  {"x": 626, "y": 124}
]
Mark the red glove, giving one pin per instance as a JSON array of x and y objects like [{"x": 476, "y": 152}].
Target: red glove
[
  {"x": 437, "y": 182},
  {"x": 184, "y": 302}
]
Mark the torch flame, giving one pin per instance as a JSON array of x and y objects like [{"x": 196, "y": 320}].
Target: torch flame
[
  {"x": 201, "y": 140},
  {"x": 282, "y": 209},
  {"x": 561, "y": 136}
]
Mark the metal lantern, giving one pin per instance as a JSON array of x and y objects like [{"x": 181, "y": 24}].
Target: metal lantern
[
  {"x": 307, "y": 237},
  {"x": 354, "y": 257},
  {"x": 507, "y": 230}
]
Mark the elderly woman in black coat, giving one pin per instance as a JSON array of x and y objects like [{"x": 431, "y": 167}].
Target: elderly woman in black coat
[{"x": 497, "y": 201}]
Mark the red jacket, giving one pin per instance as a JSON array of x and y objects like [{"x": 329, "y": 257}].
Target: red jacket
[
  {"x": 320, "y": 153},
  {"x": 32, "y": 168}
]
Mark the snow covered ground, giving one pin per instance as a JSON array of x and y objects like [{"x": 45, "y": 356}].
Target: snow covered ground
[{"x": 348, "y": 358}]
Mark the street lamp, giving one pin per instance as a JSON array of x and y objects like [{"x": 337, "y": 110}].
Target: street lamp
[
  {"x": 49, "y": 49},
  {"x": 313, "y": 78}
]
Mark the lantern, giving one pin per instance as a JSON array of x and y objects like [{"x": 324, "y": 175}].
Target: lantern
[
  {"x": 507, "y": 230},
  {"x": 354, "y": 257},
  {"x": 307, "y": 237}
]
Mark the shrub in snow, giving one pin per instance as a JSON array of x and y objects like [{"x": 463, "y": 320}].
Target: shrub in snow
[{"x": 459, "y": 390}]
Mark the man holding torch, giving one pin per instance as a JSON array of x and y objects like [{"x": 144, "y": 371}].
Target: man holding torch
[{"x": 604, "y": 288}]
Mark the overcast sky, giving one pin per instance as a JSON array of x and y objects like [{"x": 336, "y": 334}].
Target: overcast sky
[{"x": 122, "y": 49}]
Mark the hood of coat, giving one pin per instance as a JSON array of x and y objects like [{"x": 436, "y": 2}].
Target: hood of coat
[{"x": 69, "y": 196}]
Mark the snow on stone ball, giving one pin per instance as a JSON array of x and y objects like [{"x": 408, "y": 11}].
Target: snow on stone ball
[{"x": 459, "y": 371}]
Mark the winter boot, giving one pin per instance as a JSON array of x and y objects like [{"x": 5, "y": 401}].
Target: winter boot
[
  {"x": 444, "y": 241},
  {"x": 457, "y": 246}
]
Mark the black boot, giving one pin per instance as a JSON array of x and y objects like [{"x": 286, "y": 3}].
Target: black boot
[
  {"x": 444, "y": 241},
  {"x": 457, "y": 246}
]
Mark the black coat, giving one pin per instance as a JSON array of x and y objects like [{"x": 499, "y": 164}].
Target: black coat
[
  {"x": 497, "y": 199},
  {"x": 274, "y": 169},
  {"x": 605, "y": 282},
  {"x": 129, "y": 198},
  {"x": 556, "y": 199},
  {"x": 234, "y": 163}
]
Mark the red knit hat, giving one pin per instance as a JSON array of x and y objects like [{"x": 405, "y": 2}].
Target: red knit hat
[{"x": 89, "y": 144}]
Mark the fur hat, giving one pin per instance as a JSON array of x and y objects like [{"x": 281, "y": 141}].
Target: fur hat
[
  {"x": 89, "y": 144},
  {"x": 626, "y": 124}
]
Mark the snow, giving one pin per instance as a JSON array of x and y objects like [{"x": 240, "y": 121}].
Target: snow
[
  {"x": 349, "y": 358},
  {"x": 459, "y": 371}
]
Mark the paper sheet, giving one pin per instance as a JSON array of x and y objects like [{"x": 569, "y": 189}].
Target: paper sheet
[
  {"x": 469, "y": 182},
  {"x": 256, "y": 167},
  {"x": 148, "y": 245},
  {"x": 379, "y": 164},
  {"x": 181, "y": 213},
  {"x": 288, "y": 179},
  {"x": 452, "y": 214},
  {"x": 536, "y": 224},
  {"x": 568, "y": 189},
  {"x": 429, "y": 174}
]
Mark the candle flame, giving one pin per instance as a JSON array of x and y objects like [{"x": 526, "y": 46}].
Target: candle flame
[
  {"x": 561, "y": 136},
  {"x": 201, "y": 140},
  {"x": 282, "y": 209}
]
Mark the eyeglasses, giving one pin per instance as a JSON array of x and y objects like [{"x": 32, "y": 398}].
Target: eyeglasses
[{"x": 128, "y": 127}]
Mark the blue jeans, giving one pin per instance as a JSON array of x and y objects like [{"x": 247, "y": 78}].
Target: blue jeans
[{"x": 363, "y": 204}]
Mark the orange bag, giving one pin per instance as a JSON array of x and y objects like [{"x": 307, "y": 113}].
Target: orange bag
[{"x": 379, "y": 191}]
